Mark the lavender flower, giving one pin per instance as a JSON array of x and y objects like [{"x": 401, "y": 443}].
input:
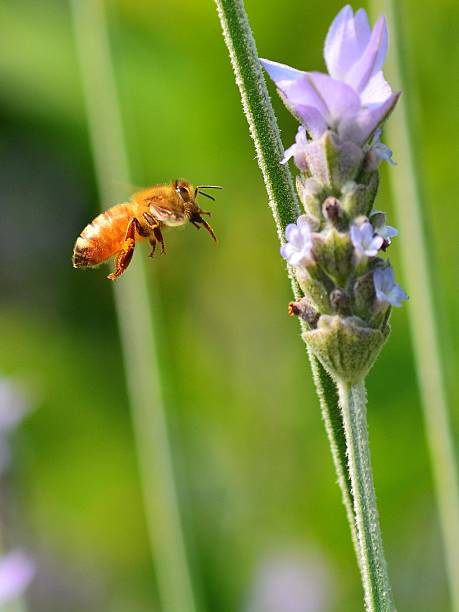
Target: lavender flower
[
  {"x": 386, "y": 288},
  {"x": 338, "y": 152},
  {"x": 297, "y": 250},
  {"x": 354, "y": 99},
  {"x": 364, "y": 240},
  {"x": 16, "y": 573}
]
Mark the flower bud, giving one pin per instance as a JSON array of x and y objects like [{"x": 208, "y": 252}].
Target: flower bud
[
  {"x": 310, "y": 193},
  {"x": 332, "y": 250},
  {"x": 340, "y": 301},
  {"x": 357, "y": 199},
  {"x": 303, "y": 309},
  {"x": 346, "y": 347},
  {"x": 331, "y": 162},
  {"x": 315, "y": 290}
]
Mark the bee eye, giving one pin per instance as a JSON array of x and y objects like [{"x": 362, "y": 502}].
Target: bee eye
[{"x": 183, "y": 192}]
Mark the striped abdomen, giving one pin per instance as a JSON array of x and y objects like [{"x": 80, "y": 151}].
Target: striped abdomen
[{"x": 103, "y": 237}]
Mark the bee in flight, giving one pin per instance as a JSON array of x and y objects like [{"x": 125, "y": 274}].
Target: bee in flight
[{"x": 115, "y": 231}]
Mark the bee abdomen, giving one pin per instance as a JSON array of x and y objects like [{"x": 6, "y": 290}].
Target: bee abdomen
[
  {"x": 102, "y": 238},
  {"x": 83, "y": 255}
]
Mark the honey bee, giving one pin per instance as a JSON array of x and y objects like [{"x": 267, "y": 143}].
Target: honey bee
[{"x": 115, "y": 231}]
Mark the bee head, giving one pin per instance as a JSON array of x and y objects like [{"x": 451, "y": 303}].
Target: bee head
[{"x": 189, "y": 193}]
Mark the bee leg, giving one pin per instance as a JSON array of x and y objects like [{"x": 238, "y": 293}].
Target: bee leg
[
  {"x": 201, "y": 221},
  {"x": 153, "y": 246},
  {"x": 123, "y": 259},
  {"x": 159, "y": 238}
]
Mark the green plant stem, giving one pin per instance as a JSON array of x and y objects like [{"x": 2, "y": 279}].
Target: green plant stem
[
  {"x": 283, "y": 202},
  {"x": 377, "y": 589},
  {"x": 136, "y": 322},
  {"x": 415, "y": 252}
]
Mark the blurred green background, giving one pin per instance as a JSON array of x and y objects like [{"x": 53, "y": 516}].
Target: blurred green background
[{"x": 254, "y": 469}]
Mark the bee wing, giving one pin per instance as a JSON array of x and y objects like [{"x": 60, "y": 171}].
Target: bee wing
[{"x": 167, "y": 214}]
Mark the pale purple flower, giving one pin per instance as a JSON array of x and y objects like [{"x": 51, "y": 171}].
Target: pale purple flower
[
  {"x": 364, "y": 239},
  {"x": 387, "y": 290},
  {"x": 354, "y": 99},
  {"x": 16, "y": 573},
  {"x": 378, "y": 220},
  {"x": 297, "y": 250}
]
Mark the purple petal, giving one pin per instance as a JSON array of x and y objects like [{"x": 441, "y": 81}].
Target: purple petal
[
  {"x": 345, "y": 41},
  {"x": 280, "y": 73},
  {"x": 16, "y": 573},
  {"x": 302, "y": 92},
  {"x": 339, "y": 99},
  {"x": 362, "y": 29},
  {"x": 287, "y": 250},
  {"x": 288, "y": 153},
  {"x": 377, "y": 91},
  {"x": 360, "y": 127},
  {"x": 372, "y": 59},
  {"x": 314, "y": 121},
  {"x": 291, "y": 232}
]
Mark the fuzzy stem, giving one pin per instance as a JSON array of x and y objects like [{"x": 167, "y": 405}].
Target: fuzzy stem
[
  {"x": 137, "y": 326},
  {"x": 415, "y": 252},
  {"x": 283, "y": 202},
  {"x": 375, "y": 579}
]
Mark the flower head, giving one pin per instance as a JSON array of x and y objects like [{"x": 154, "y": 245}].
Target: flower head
[
  {"x": 297, "y": 250},
  {"x": 354, "y": 98},
  {"x": 364, "y": 240},
  {"x": 387, "y": 290},
  {"x": 16, "y": 573}
]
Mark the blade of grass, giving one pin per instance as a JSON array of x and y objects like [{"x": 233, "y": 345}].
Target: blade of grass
[
  {"x": 407, "y": 191},
  {"x": 136, "y": 322},
  {"x": 284, "y": 206}
]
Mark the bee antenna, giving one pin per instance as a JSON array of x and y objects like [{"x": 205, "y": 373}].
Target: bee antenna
[
  {"x": 210, "y": 187},
  {"x": 207, "y": 195}
]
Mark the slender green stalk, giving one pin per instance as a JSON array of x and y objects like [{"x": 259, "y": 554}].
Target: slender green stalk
[
  {"x": 135, "y": 320},
  {"x": 407, "y": 190},
  {"x": 283, "y": 202},
  {"x": 376, "y": 585}
]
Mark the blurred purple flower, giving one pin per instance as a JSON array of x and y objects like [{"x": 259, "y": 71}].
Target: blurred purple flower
[
  {"x": 297, "y": 250},
  {"x": 387, "y": 290},
  {"x": 354, "y": 99},
  {"x": 364, "y": 239},
  {"x": 291, "y": 583},
  {"x": 16, "y": 573}
]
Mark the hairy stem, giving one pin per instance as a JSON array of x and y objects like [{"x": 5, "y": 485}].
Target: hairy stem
[
  {"x": 282, "y": 200},
  {"x": 136, "y": 322},
  {"x": 375, "y": 579},
  {"x": 415, "y": 252}
]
